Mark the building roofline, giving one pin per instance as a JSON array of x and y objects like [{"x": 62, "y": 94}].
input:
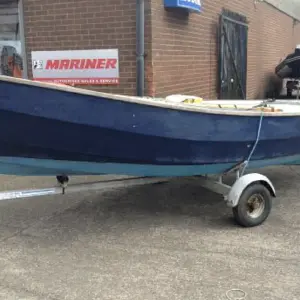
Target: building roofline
[{"x": 290, "y": 8}]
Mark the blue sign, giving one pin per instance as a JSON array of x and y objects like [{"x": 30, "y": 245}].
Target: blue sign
[{"x": 190, "y": 5}]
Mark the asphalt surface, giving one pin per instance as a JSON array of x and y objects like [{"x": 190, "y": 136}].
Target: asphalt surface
[{"x": 166, "y": 241}]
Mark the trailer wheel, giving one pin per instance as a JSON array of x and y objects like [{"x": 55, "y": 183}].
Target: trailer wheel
[{"x": 254, "y": 206}]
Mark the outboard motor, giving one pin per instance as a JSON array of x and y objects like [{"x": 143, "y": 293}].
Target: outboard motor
[{"x": 11, "y": 63}]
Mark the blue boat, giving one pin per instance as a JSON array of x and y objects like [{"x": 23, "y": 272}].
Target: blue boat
[{"x": 49, "y": 129}]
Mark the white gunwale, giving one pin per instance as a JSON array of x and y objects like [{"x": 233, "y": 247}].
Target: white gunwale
[{"x": 157, "y": 103}]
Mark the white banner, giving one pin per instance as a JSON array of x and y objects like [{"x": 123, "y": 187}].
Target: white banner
[{"x": 82, "y": 67}]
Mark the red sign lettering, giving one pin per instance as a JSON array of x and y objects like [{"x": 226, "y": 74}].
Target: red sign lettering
[{"x": 80, "y": 64}]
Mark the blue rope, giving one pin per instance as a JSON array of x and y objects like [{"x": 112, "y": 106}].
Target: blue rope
[{"x": 255, "y": 144}]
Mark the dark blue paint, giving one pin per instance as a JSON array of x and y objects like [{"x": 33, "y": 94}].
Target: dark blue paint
[
  {"x": 183, "y": 4},
  {"x": 50, "y": 124}
]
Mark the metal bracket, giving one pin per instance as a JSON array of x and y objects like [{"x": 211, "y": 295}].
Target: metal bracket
[
  {"x": 236, "y": 168},
  {"x": 295, "y": 22},
  {"x": 216, "y": 186}
]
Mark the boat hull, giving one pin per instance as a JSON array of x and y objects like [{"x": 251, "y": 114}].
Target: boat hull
[{"x": 49, "y": 131}]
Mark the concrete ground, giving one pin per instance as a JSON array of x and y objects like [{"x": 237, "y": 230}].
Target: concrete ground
[{"x": 168, "y": 241}]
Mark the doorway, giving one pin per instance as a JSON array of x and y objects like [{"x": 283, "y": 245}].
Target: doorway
[{"x": 233, "y": 41}]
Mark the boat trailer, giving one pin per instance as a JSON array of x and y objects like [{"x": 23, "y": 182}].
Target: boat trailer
[{"x": 250, "y": 197}]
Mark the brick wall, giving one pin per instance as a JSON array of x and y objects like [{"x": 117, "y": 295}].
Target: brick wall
[
  {"x": 185, "y": 48},
  {"x": 74, "y": 24},
  {"x": 181, "y": 51}
]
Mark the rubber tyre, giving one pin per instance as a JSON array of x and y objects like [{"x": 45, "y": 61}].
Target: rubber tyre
[{"x": 240, "y": 211}]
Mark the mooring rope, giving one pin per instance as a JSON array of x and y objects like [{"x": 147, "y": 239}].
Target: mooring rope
[{"x": 255, "y": 144}]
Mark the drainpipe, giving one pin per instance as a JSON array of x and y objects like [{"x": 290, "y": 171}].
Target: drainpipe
[
  {"x": 140, "y": 47},
  {"x": 22, "y": 38}
]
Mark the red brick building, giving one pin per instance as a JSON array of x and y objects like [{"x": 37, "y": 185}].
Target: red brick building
[{"x": 181, "y": 49}]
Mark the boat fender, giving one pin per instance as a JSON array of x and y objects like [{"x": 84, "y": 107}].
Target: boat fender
[{"x": 243, "y": 182}]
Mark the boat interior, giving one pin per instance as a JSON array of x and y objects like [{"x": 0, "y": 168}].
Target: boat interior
[{"x": 268, "y": 105}]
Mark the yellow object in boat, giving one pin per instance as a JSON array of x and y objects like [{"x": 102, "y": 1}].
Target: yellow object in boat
[
  {"x": 193, "y": 100},
  {"x": 227, "y": 106}
]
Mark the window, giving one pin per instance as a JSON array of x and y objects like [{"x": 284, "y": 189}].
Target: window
[{"x": 11, "y": 48}]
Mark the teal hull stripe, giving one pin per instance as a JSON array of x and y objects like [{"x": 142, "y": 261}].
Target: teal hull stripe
[{"x": 46, "y": 167}]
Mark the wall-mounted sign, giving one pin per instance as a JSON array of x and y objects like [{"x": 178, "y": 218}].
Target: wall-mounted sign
[
  {"x": 82, "y": 67},
  {"x": 190, "y": 5}
]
